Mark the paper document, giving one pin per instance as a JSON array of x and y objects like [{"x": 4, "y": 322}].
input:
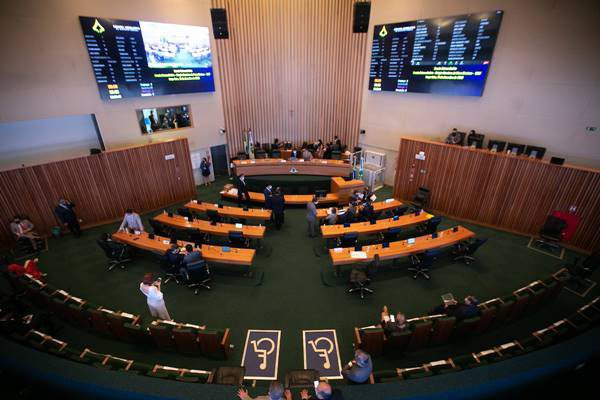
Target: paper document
[{"x": 358, "y": 254}]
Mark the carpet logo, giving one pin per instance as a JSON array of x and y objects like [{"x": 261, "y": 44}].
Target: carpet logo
[
  {"x": 261, "y": 354},
  {"x": 321, "y": 352}
]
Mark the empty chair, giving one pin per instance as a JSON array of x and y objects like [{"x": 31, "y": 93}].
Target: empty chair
[
  {"x": 421, "y": 198},
  {"x": 521, "y": 300},
  {"x": 503, "y": 310},
  {"x": 259, "y": 154},
  {"x": 370, "y": 340},
  {"x": 237, "y": 239},
  {"x": 276, "y": 154},
  {"x": 158, "y": 228},
  {"x": 99, "y": 322},
  {"x": 233, "y": 376},
  {"x": 414, "y": 373},
  {"x": 579, "y": 274},
  {"x": 213, "y": 216},
  {"x": 301, "y": 378},
  {"x": 420, "y": 335},
  {"x": 391, "y": 234},
  {"x": 137, "y": 333},
  {"x": 442, "y": 329},
  {"x": 186, "y": 340},
  {"x": 80, "y": 315},
  {"x": 349, "y": 239},
  {"x": 552, "y": 232},
  {"x": 465, "y": 251},
  {"x": 422, "y": 263},
  {"x": 336, "y": 155},
  {"x": 172, "y": 269},
  {"x": 115, "y": 325},
  {"x": 538, "y": 293},
  {"x": 359, "y": 281},
  {"x": 466, "y": 328},
  {"x": 198, "y": 276},
  {"x": 162, "y": 336},
  {"x": 214, "y": 343},
  {"x": 117, "y": 254},
  {"x": 396, "y": 342},
  {"x": 184, "y": 212},
  {"x": 430, "y": 226},
  {"x": 486, "y": 316}
]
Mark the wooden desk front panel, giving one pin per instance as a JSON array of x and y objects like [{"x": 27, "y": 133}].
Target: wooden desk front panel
[
  {"x": 290, "y": 199},
  {"x": 509, "y": 192},
  {"x": 210, "y": 253},
  {"x": 277, "y": 167},
  {"x": 228, "y": 211},
  {"x": 220, "y": 229},
  {"x": 378, "y": 206},
  {"x": 382, "y": 225},
  {"x": 402, "y": 248}
]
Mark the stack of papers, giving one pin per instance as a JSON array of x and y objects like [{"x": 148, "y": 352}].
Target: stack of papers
[
  {"x": 238, "y": 226},
  {"x": 358, "y": 254},
  {"x": 389, "y": 200},
  {"x": 337, "y": 250}
]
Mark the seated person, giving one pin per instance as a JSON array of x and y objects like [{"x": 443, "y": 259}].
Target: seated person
[
  {"x": 453, "y": 308},
  {"x": 323, "y": 391},
  {"x": 295, "y": 154},
  {"x": 331, "y": 219},
  {"x": 359, "y": 369},
  {"x": 191, "y": 256},
  {"x": 131, "y": 221},
  {"x": 398, "y": 324},
  {"x": 22, "y": 228},
  {"x": 307, "y": 155},
  {"x": 367, "y": 211}
]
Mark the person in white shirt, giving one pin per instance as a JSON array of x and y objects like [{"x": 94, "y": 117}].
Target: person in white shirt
[
  {"x": 132, "y": 221},
  {"x": 150, "y": 287}
]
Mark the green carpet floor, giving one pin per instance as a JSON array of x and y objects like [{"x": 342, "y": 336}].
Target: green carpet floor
[{"x": 299, "y": 292}]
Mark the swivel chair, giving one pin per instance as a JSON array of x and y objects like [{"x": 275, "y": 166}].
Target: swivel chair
[
  {"x": 422, "y": 263},
  {"x": 276, "y": 154},
  {"x": 465, "y": 250},
  {"x": 398, "y": 211},
  {"x": 349, "y": 239},
  {"x": 421, "y": 198},
  {"x": 117, "y": 254},
  {"x": 259, "y": 154},
  {"x": 158, "y": 228},
  {"x": 237, "y": 239},
  {"x": 198, "y": 276},
  {"x": 173, "y": 269},
  {"x": 430, "y": 226},
  {"x": 391, "y": 234},
  {"x": 184, "y": 212},
  {"x": 360, "y": 277},
  {"x": 213, "y": 216},
  {"x": 552, "y": 232}
]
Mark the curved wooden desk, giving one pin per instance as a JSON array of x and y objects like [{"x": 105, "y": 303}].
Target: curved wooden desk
[
  {"x": 377, "y": 207},
  {"x": 228, "y": 211},
  {"x": 381, "y": 225},
  {"x": 220, "y": 229},
  {"x": 210, "y": 253},
  {"x": 290, "y": 199},
  {"x": 279, "y": 166},
  {"x": 401, "y": 248}
]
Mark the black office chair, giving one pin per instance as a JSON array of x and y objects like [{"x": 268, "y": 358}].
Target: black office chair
[
  {"x": 391, "y": 234},
  {"x": 259, "y": 154},
  {"x": 158, "y": 228},
  {"x": 360, "y": 278},
  {"x": 198, "y": 275},
  {"x": 422, "y": 263},
  {"x": 397, "y": 211},
  {"x": 184, "y": 212},
  {"x": 552, "y": 232},
  {"x": 173, "y": 270},
  {"x": 301, "y": 378},
  {"x": 465, "y": 250},
  {"x": 233, "y": 376},
  {"x": 118, "y": 254},
  {"x": 421, "y": 198},
  {"x": 266, "y": 147},
  {"x": 349, "y": 239},
  {"x": 213, "y": 216},
  {"x": 242, "y": 155},
  {"x": 237, "y": 239},
  {"x": 430, "y": 226},
  {"x": 579, "y": 279},
  {"x": 276, "y": 154},
  {"x": 197, "y": 237}
]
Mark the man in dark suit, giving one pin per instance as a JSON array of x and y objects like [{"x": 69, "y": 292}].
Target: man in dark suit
[
  {"x": 242, "y": 188},
  {"x": 268, "y": 192},
  {"x": 278, "y": 207},
  {"x": 66, "y": 214}
]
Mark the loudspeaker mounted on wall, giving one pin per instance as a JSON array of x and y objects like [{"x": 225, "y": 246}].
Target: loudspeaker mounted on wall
[
  {"x": 362, "y": 10},
  {"x": 362, "y": 132},
  {"x": 219, "y": 23},
  {"x": 95, "y": 151},
  {"x": 222, "y": 131}
]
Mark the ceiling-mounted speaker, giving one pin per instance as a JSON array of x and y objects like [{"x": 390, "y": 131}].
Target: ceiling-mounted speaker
[
  {"x": 219, "y": 23},
  {"x": 362, "y": 11}
]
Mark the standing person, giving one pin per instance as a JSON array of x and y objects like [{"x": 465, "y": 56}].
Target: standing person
[
  {"x": 278, "y": 207},
  {"x": 131, "y": 221},
  {"x": 150, "y": 287},
  {"x": 205, "y": 170},
  {"x": 359, "y": 369},
  {"x": 65, "y": 211},
  {"x": 242, "y": 188},
  {"x": 311, "y": 217},
  {"x": 268, "y": 192}
]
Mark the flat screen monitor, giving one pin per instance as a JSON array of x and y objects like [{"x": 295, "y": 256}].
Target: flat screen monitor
[
  {"x": 142, "y": 59},
  {"x": 475, "y": 140},
  {"x": 448, "y": 56},
  {"x": 535, "y": 152},
  {"x": 496, "y": 145},
  {"x": 557, "y": 161},
  {"x": 515, "y": 148}
]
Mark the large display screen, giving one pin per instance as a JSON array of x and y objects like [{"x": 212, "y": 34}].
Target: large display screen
[
  {"x": 139, "y": 58},
  {"x": 449, "y": 55}
]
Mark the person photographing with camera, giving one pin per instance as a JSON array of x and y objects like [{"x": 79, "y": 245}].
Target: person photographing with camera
[{"x": 150, "y": 287}]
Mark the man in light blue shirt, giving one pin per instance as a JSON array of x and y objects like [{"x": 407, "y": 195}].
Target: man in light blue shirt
[
  {"x": 359, "y": 369},
  {"x": 131, "y": 221}
]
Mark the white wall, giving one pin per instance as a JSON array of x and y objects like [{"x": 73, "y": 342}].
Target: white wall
[
  {"x": 543, "y": 87},
  {"x": 45, "y": 140},
  {"x": 46, "y": 72}
]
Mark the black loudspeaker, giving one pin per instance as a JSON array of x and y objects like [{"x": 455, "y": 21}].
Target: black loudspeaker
[
  {"x": 95, "y": 151},
  {"x": 219, "y": 23},
  {"x": 362, "y": 10}
]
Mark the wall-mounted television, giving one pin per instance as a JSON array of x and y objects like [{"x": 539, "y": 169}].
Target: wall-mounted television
[
  {"x": 140, "y": 58},
  {"x": 449, "y": 56}
]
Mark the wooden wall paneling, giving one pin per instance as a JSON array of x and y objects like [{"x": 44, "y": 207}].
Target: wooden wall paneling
[
  {"x": 102, "y": 186},
  {"x": 516, "y": 194},
  {"x": 291, "y": 70}
]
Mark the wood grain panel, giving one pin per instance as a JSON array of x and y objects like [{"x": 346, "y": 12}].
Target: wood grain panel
[
  {"x": 512, "y": 193},
  {"x": 102, "y": 186},
  {"x": 291, "y": 70}
]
